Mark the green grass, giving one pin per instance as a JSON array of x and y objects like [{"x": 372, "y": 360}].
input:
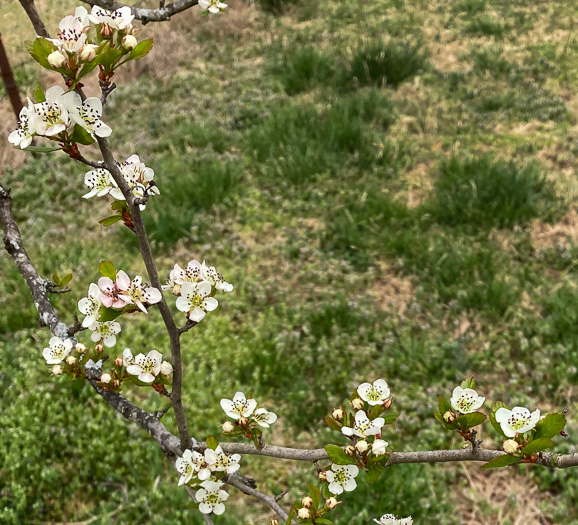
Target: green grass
[{"x": 361, "y": 227}]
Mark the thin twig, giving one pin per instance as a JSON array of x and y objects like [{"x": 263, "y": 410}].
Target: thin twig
[
  {"x": 162, "y": 14},
  {"x": 34, "y": 17},
  {"x": 106, "y": 91},
  {"x": 92, "y": 163}
]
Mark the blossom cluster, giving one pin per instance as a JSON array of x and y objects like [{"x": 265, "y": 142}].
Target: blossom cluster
[
  {"x": 247, "y": 418},
  {"x": 195, "y": 286}
]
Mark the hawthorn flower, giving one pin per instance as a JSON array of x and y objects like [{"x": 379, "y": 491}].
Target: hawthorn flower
[
  {"x": 211, "y": 497},
  {"x": 86, "y": 114},
  {"x": 466, "y": 400},
  {"x": 221, "y": 462},
  {"x": 363, "y": 427},
  {"x": 264, "y": 418},
  {"x": 215, "y": 278},
  {"x": 109, "y": 292},
  {"x": 90, "y": 305},
  {"x": 50, "y": 117},
  {"x": 186, "y": 467},
  {"x": 22, "y": 136},
  {"x": 195, "y": 300},
  {"x": 390, "y": 519},
  {"x": 127, "y": 358},
  {"x": 105, "y": 332},
  {"x": 374, "y": 394},
  {"x": 214, "y": 6},
  {"x": 119, "y": 19},
  {"x": 191, "y": 274},
  {"x": 99, "y": 181},
  {"x": 134, "y": 292},
  {"x": 138, "y": 177},
  {"x": 57, "y": 351},
  {"x": 71, "y": 36},
  {"x": 239, "y": 407},
  {"x": 379, "y": 447},
  {"x": 146, "y": 367},
  {"x": 342, "y": 477},
  {"x": 516, "y": 421}
]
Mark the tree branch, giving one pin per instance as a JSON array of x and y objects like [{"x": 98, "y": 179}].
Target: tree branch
[
  {"x": 162, "y": 14},
  {"x": 34, "y": 17}
]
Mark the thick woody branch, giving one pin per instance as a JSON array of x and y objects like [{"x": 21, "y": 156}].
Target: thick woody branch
[
  {"x": 37, "y": 285},
  {"x": 162, "y": 14},
  {"x": 34, "y": 17}
]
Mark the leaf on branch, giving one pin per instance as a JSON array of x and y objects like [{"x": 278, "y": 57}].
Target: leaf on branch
[
  {"x": 81, "y": 136},
  {"x": 468, "y": 421},
  {"x": 40, "y": 49},
  {"x": 141, "y": 49},
  {"x": 315, "y": 495},
  {"x": 333, "y": 423},
  {"x": 550, "y": 426},
  {"x": 212, "y": 442},
  {"x": 119, "y": 205},
  {"x": 39, "y": 94},
  {"x": 66, "y": 279},
  {"x": 495, "y": 407},
  {"x": 470, "y": 382},
  {"x": 338, "y": 455},
  {"x": 323, "y": 521},
  {"x": 537, "y": 446},
  {"x": 107, "y": 269},
  {"x": 374, "y": 473},
  {"x": 108, "y": 314},
  {"x": 292, "y": 513},
  {"x": 390, "y": 418},
  {"x": 42, "y": 149},
  {"x": 444, "y": 406},
  {"x": 501, "y": 461},
  {"x": 56, "y": 279},
  {"x": 376, "y": 411},
  {"x": 110, "y": 220}
]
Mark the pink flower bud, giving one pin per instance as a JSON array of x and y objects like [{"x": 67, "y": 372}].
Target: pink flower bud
[
  {"x": 357, "y": 403},
  {"x": 99, "y": 348},
  {"x": 129, "y": 42},
  {"x": 56, "y": 59},
  {"x": 306, "y": 501},
  {"x": 387, "y": 403},
  {"x": 331, "y": 503},
  {"x": 228, "y": 426},
  {"x": 118, "y": 361},
  {"x": 57, "y": 370},
  {"x": 105, "y": 378},
  {"x": 449, "y": 417},
  {"x": 303, "y": 513},
  {"x": 70, "y": 360},
  {"x": 337, "y": 414}
]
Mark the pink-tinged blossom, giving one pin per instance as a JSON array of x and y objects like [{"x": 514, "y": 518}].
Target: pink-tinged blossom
[{"x": 109, "y": 291}]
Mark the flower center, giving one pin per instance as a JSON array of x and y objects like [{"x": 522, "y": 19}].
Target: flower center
[
  {"x": 362, "y": 425},
  {"x": 148, "y": 366},
  {"x": 240, "y": 407},
  {"x": 374, "y": 394},
  {"x": 517, "y": 421},
  {"x": 466, "y": 402},
  {"x": 89, "y": 115},
  {"x": 341, "y": 477},
  {"x": 213, "y": 498}
]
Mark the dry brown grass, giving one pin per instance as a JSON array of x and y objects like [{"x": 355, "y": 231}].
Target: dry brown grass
[
  {"x": 564, "y": 231},
  {"x": 392, "y": 293}
]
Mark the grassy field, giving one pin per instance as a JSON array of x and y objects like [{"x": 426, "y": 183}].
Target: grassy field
[{"x": 390, "y": 186}]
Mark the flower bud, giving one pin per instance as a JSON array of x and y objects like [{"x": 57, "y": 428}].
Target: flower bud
[
  {"x": 379, "y": 447},
  {"x": 228, "y": 426},
  {"x": 177, "y": 289},
  {"x": 116, "y": 383},
  {"x": 80, "y": 348},
  {"x": 99, "y": 348},
  {"x": 307, "y": 501},
  {"x": 56, "y": 59},
  {"x": 331, "y": 502},
  {"x": 88, "y": 52},
  {"x": 70, "y": 360},
  {"x": 350, "y": 450},
  {"x": 510, "y": 446},
  {"x": 105, "y": 378},
  {"x": 387, "y": 403},
  {"x": 274, "y": 522},
  {"x": 449, "y": 417},
  {"x": 166, "y": 368},
  {"x": 337, "y": 414},
  {"x": 242, "y": 420},
  {"x": 118, "y": 361},
  {"x": 129, "y": 42},
  {"x": 57, "y": 370},
  {"x": 303, "y": 513},
  {"x": 357, "y": 403},
  {"x": 362, "y": 446}
]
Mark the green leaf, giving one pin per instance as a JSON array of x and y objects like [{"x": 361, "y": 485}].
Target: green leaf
[
  {"x": 501, "y": 461},
  {"x": 66, "y": 279},
  {"x": 212, "y": 442},
  {"x": 292, "y": 512},
  {"x": 495, "y": 407},
  {"x": 374, "y": 473},
  {"x": 107, "y": 269},
  {"x": 81, "y": 136},
  {"x": 467, "y": 421},
  {"x": 470, "y": 382},
  {"x": 338, "y": 455},
  {"x": 56, "y": 279},
  {"x": 108, "y": 314},
  {"x": 141, "y": 49},
  {"x": 110, "y": 220},
  {"x": 315, "y": 495},
  {"x": 550, "y": 426},
  {"x": 40, "y": 49},
  {"x": 444, "y": 406},
  {"x": 88, "y": 67},
  {"x": 39, "y": 94},
  {"x": 325, "y": 491},
  {"x": 109, "y": 58},
  {"x": 119, "y": 205},
  {"x": 376, "y": 411},
  {"x": 390, "y": 418},
  {"x": 333, "y": 423},
  {"x": 323, "y": 521},
  {"x": 449, "y": 426},
  {"x": 537, "y": 445},
  {"x": 42, "y": 149}
]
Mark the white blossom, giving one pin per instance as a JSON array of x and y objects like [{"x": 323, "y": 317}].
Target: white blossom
[
  {"x": 90, "y": 306},
  {"x": 466, "y": 400},
  {"x": 374, "y": 394},
  {"x": 379, "y": 447},
  {"x": 71, "y": 35},
  {"x": 105, "y": 331},
  {"x": 134, "y": 292},
  {"x": 99, "y": 181},
  {"x": 22, "y": 136},
  {"x": 221, "y": 462},
  {"x": 363, "y": 426},
  {"x": 390, "y": 519},
  {"x": 146, "y": 367},
  {"x": 138, "y": 177},
  {"x": 264, "y": 418},
  {"x": 57, "y": 351},
  {"x": 214, "y": 6},
  {"x": 195, "y": 300},
  {"x": 119, "y": 19},
  {"x": 82, "y": 15},
  {"x": 517, "y": 421},
  {"x": 50, "y": 117},
  {"x": 166, "y": 368},
  {"x": 86, "y": 114},
  {"x": 239, "y": 406},
  {"x": 211, "y": 497},
  {"x": 186, "y": 467},
  {"x": 127, "y": 358},
  {"x": 196, "y": 272},
  {"x": 342, "y": 478},
  {"x": 215, "y": 278}
]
